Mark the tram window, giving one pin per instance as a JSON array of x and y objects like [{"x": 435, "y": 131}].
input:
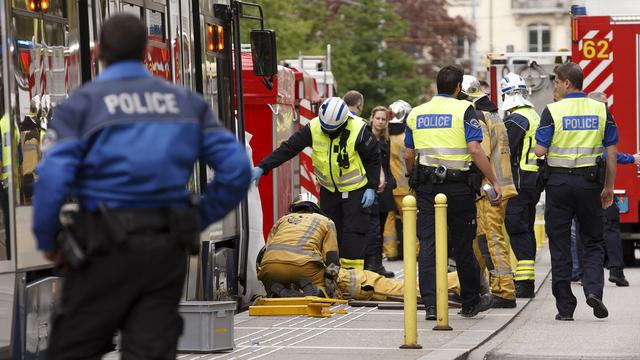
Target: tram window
[
  {"x": 132, "y": 9},
  {"x": 155, "y": 25},
  {"x": 54, "y": 34},
  {"x": 5, "y": 248}
]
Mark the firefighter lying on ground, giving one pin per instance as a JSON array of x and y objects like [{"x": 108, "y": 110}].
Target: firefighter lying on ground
[{"x": 301, "y": 259}]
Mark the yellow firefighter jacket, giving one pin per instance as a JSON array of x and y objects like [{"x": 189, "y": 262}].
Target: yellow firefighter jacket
[
  {"x": 397, "y": 164},
  {"x": 495, "y": 143},
  {"x": 299, "y": 238}
]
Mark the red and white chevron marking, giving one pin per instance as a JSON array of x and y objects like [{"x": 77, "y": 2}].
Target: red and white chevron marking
[
  {"x": 307, "y": 179},
  {"x": 598, "y": 73}
]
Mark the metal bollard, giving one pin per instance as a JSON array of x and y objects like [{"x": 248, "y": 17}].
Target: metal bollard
[
  {"x": 409, "y": 220},
  {"x": 541, "y": 235},
  {"x": 442, "y": 291}
]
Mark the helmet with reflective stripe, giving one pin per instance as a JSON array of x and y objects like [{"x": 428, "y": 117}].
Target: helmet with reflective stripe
[
  {"x": 333, "y": 113},
  {"x": 305, "y": 202},
  {"x": 400, "y": 110},
  {"x": 512, "y": 82},
  {"x": 471, "y": 87}
]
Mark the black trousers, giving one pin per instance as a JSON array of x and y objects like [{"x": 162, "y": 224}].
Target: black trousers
[
  {"x": 612, "y": 240},
  {"x": 461, "y": 221},
  {"x": 135, "y": 289},
  {"x": 569, "y": 195},
  {"x": 352, "y": 223},
  {"x": 520, "y": 221},
  {"x": 376, "y": 229}
]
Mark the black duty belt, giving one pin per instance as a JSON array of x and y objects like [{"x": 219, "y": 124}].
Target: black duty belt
[
  {"x": 453, "y": 175},
  {"x": 135, "y": 221},
  {"x": 582, "y": 171}
]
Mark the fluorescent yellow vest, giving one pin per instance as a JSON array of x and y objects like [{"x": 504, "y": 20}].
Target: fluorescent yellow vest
[
  {"x": 528, "y": 159},
  {"x": 579, "y": 131},
  {"x": 325, "y": 158},
  {"x": 438, "y": 133}
]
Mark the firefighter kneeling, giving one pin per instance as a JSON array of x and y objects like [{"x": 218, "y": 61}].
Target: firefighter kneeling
[{"x": 301, "y": 259}]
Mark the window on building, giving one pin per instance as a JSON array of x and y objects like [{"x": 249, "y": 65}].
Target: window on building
[{"x": 539, "y": 37}]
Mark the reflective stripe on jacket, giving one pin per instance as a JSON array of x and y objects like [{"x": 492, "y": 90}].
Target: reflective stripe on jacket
[
  {"x": 528, "y": 158},
  {"x": 579, "y": 130},
  {"x": 346, "y": 175},
  {"x": 438, "y": 133}
]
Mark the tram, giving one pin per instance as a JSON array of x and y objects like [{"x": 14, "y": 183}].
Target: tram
[{"x": 47, "y": 51}]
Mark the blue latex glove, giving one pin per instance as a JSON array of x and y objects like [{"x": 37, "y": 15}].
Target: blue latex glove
[
  {"x": 368, "y": 197},
  {"x": 256, "y": 173}
]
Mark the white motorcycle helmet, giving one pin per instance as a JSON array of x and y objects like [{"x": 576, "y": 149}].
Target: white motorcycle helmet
[
  {"x": 512, "y": 82},
  {"x": 333, "y": 113},
  {"x": 515, "y": 92},
  {"x": 400, "y": 110}
]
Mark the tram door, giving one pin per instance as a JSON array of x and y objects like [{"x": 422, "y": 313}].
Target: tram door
[{"x": 45, "y": 68}]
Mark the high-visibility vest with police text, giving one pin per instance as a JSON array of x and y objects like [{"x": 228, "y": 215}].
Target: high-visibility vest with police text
[
  {"x": 438, "y": 133},
  {"x": 333, "y": 174},
  {"x": 579, "y": 130},
  {"x": 528, "y": 159}
]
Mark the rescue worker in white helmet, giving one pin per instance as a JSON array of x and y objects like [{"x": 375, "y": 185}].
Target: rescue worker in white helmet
[
  {"x": 346, "y": 163},
  {"x": 301, "y": 245},
  {"x": 521, "y": 122},
  {"x": 491, "y": 247},
  {"x": 392, "y": 237}
]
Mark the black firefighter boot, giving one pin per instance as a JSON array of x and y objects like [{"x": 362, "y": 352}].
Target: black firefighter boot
[{"x": 374, "y": 263}]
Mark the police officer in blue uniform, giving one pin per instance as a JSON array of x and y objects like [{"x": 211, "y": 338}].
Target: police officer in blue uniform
[
  {"x": 573, "y": 133},
  {"x": 443, "y": 138},
  {"x": 124, "y": 146}
]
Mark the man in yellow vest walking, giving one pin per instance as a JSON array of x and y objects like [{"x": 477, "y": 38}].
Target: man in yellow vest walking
[
  {"x": 443, "y": 138},
  {"x": 346, "y": 163},
  {"x": 522, "y": 122},
  {"x": 572, "y": 134},
  {"x": 491, "y": 247}
]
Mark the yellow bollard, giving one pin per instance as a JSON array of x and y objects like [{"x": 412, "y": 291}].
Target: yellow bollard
[
  {"x": 409, "y": 220},
  {"x": 442, "y": 295},
  {"x": 541, "y": 235}
]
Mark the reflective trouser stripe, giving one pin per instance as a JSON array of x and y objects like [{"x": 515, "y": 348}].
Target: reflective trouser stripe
[
  {"x": 352, "y": 263},
  {"x": 525, "y": 270}
]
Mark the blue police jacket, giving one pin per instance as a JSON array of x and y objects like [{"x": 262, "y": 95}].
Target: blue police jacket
[{"x": 130, "y": 140}]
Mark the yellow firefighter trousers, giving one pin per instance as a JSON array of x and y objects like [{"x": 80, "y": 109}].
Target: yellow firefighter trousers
[
  {"x": 360, "y": 284},
  {"x": 493, "y": 250},
  {"x": 390, "y": 236},
  {"x": 290, "y": 273}
]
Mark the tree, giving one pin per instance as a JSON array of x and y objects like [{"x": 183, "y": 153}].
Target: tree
[
  {"x": 366, "y": 38},
  {"x": 433, "y": 31}
]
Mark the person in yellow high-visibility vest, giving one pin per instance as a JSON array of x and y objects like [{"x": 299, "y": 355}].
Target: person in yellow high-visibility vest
[
  {"x": 346, "y": 163},
  {"x": 443, "y": 138},
  {"x": 573, "y": 133},
  {"x": 521, "y": 122},
  {"x": 491, "y": 247}
]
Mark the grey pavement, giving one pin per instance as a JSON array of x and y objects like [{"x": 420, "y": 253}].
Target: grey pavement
[{"x": 535, "y": 334}]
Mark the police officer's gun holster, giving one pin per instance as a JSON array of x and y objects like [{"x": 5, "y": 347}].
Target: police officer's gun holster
[
  {"x": 600, "y": 170},
  {"x": 475, "y": 178},
  {"x": 543, "y": 174},
  {"x": 71, "y": 249}
]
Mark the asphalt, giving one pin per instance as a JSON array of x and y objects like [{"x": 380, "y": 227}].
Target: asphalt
[
  {"x": 536, "y": 335},
  {"x": 364, "y": 333}
]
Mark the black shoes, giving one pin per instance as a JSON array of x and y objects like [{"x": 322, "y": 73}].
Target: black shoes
[
  {"x": 525, "y": 289},
  {"x": 485, "y": 303},
  {"x": 619, "y": 280},
  {"x": 502, "y": 303},
  {"x": 431, "y": 313},
  {"x": 599, "y": 310},
  {"x": 374, "y": 263},
  {"x": 561, "y": 317},
  {"x": 308, "y": 289},
  {"x": 281, "y": 291}
]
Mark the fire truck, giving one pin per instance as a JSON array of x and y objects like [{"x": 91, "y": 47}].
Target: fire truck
[
  {"x": 46, "y": 52},
  {"x": 607, "y": 47}
]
